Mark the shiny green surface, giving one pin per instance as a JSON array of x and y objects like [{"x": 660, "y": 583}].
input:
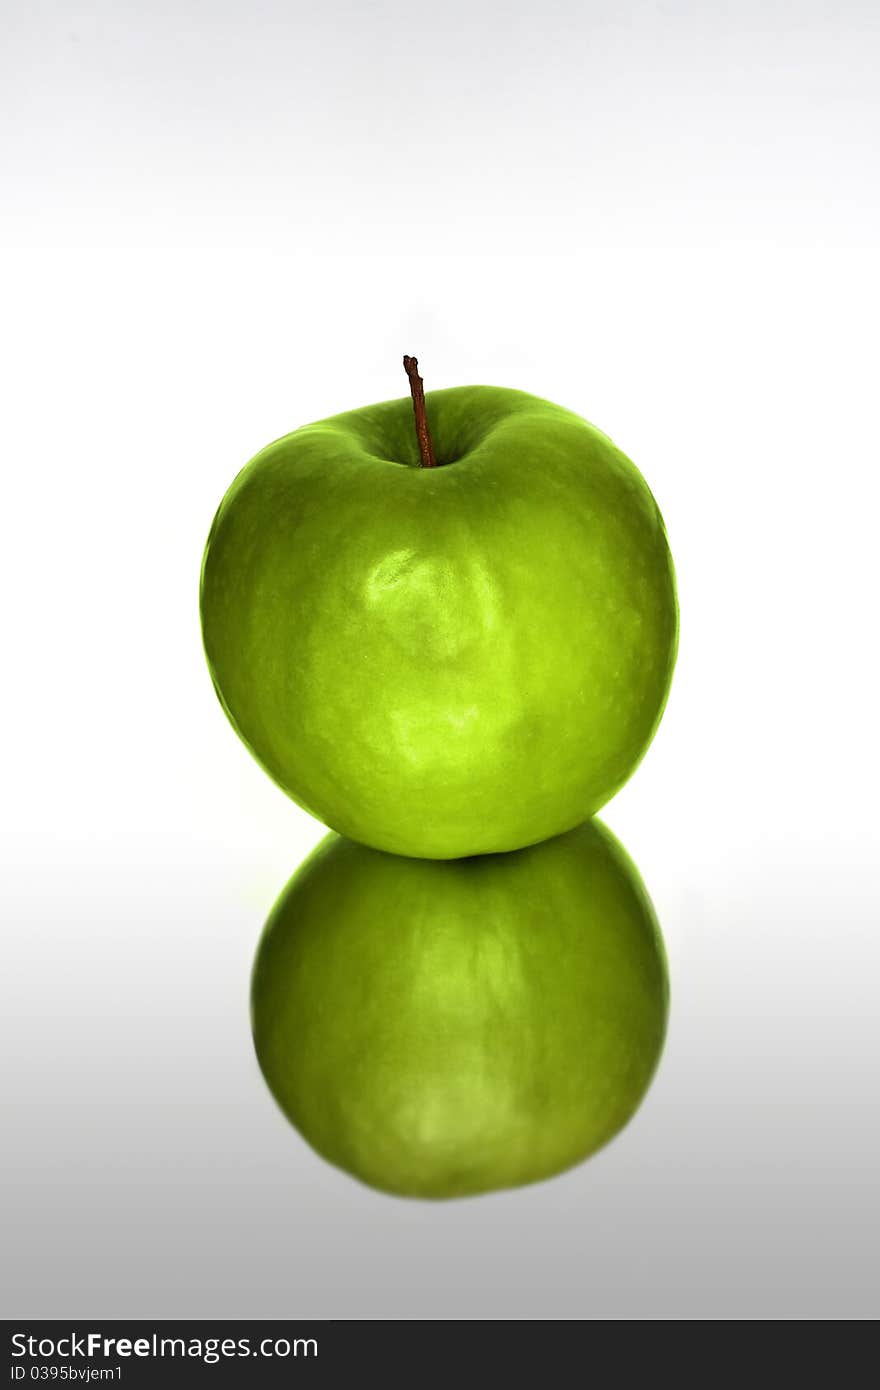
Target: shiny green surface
[
  {"x": 450, "y": 661},
  {"x": 439, "y": 1029}
]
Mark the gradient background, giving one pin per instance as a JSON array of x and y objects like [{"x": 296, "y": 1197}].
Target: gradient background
[{"x": 223, "y": 220}]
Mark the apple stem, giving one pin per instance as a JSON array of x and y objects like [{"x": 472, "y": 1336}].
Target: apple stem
[{"x": 417, "y": 387}]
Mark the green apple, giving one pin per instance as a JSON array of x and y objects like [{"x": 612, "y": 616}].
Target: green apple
[
  {"x": 439, "y": 1029},
  {"x": 450, "y": 660}
]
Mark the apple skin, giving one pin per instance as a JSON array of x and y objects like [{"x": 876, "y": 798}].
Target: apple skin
[
  {"x": 443, "y": 661},
  {"x": 442, "y": 1029}
]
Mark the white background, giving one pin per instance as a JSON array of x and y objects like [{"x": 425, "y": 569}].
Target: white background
[{"x": 223, "y": 221}]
